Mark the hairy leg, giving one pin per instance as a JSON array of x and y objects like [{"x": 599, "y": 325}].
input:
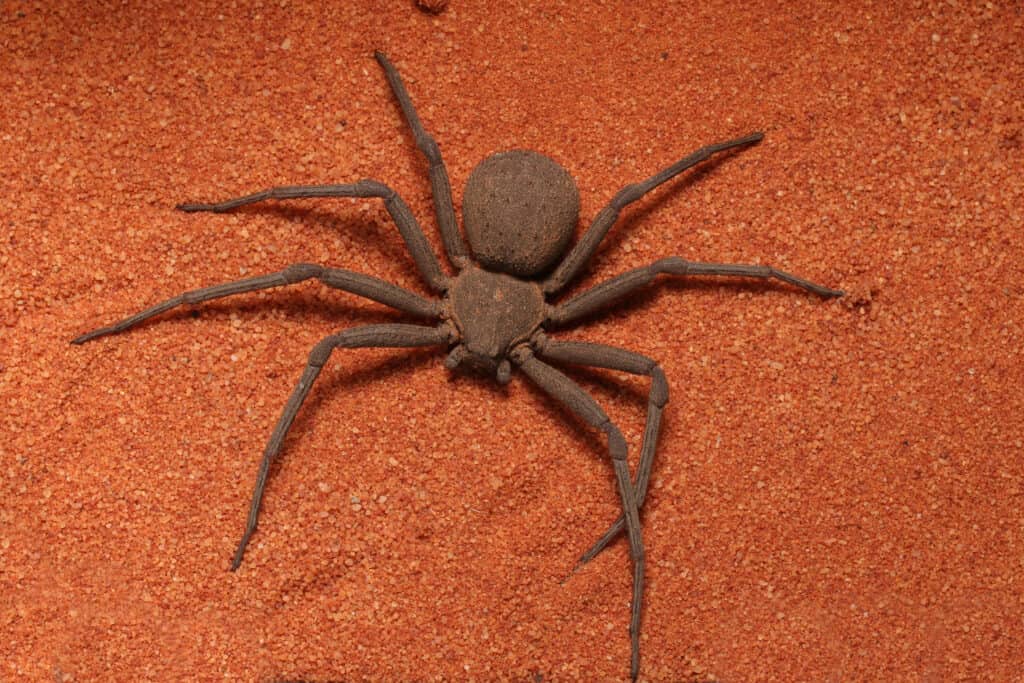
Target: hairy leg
[
  {"x": 573, "y": 397},
  {"x": 393, "y": 335},
  {"x": 609, "y": 291},
  {"x": 410, "y": 230},
  {"x": 604, "y": 220},
  {"x": 602, "y": 356},
  {"x": 363, "y": 285},
  {"x": 439, "y": 184}
]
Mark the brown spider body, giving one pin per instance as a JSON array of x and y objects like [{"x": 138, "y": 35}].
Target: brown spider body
[{"x": 520, "y": 210}]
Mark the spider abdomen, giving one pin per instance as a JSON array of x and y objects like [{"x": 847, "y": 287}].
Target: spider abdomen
[
  {"x": 493, "y": 312},
  {"x": 520, "y": 209}
]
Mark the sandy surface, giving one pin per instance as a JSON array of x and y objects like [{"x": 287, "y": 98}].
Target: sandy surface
[{"x": 839, "y": 485}]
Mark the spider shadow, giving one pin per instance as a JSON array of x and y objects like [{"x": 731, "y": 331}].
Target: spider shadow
[
  {"x": 354, "y": 378},
  {"x": 590, "y": 439},
  {"x": 368, "y": 232},
  {"x": 296, "y": 304},
  {"x": 643, "y": 299},
  {"x": 650, "y": 204},
  {"x": 462, "y": 376},
  {"x": 608, "y": 384}
]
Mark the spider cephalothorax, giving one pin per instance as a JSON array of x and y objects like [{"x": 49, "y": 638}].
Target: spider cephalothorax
[
  {"x": 492, "y": 313},
  {"x": 520, "y": 210}
]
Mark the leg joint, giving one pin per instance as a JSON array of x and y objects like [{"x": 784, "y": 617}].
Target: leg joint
[
  {"x": 430, "y": 149},
  {"x": 659, "y": 386},
  {"x": 521, "y": 354},
  {"x": 298, "y": 272},
  {"x": 616, "y": 442},
  {"x": 539, "y": 340},
  {"x": 627, "y": 195},
  {"x": 368, "y": 187},
  {"x": 672, "y": 265},
  {"x": 322, "y": 351},
  {"x": 192, "y": 297}
]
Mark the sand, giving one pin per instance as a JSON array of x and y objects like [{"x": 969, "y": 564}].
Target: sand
[{"x": 839, "y": 484}]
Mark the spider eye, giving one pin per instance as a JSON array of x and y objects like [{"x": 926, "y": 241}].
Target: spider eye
[{"x": 520, "y": 210}]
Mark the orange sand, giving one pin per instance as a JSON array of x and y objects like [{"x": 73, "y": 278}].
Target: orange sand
[{"x": 839, "y": 486}]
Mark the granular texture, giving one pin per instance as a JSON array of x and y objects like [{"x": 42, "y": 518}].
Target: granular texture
[
  {"x": 520, "y": 211},
  {"x": 839, "y": 485}
]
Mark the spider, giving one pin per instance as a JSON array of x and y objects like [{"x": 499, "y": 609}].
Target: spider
[{"x": 519, "y": 212}]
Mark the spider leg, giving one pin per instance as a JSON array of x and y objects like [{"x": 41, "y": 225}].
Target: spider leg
[
  {"x": 604, "y": 220},
  {"x": 356, "y": 283},
  {"x": 389, "y": 335},
  {"x": 580, "y": 403},
  {"x": 602, "y": 356},
  {"x": 609, "y": 291},
  {"x": 410, "y": 230},
  {"x": 439, "y": 185}
]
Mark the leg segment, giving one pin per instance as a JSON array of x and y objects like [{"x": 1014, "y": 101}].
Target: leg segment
[
  {"x": 395, "y": 335},
  {"x": 588, "y": 244},
  {"x": 363, "y": 285},
  {"x": 573, "y": 397},
  {"x": 439, "y": 184},
  {"x": 601, "y": 356},
  {"x": 410, "y": 230},
  {"x": 611, "y": 290}
]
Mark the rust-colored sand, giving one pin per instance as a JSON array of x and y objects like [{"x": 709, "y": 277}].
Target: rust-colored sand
[{"x": 839, "y": 486}]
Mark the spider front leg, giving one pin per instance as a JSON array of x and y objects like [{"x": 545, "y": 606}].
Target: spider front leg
[
  {"x": 580, "y": 403},
  {"x": 410, "y": 230},
  {"x": 439, "y": 185},
  {"x": 356, "y": 283},
  {"x": 390, "y": 335},
  {"x": 609, "y": 291},
  {"x": 602, "y": 356},
  {"x": 606, "y": 218}
]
